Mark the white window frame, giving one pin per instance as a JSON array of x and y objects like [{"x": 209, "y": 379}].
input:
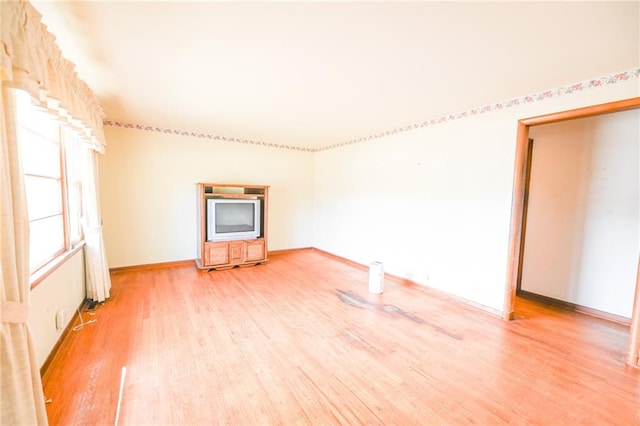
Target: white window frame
[{"x": 68, "y": 152}]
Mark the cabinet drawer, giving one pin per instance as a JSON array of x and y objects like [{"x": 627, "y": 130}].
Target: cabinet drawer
[
  {"x": 253, "y": 250},
  {"x": 216, "y": 254},
  {"x": 235, "y": 252}
]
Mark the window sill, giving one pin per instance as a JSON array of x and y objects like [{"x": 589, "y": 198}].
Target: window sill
[{"x": 37, "y": 277}]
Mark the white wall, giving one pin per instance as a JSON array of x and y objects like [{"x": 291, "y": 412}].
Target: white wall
[
  {"x": 62, "y": 290},
  {"x": 583, "y": 236},
  {"x": 434, "y": 203},
  {"x": 148, "y": 192},
  {"x": 450, "y": 185}
]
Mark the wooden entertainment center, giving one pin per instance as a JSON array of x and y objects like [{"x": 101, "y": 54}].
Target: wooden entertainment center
[{"x": 219, "y": 253}]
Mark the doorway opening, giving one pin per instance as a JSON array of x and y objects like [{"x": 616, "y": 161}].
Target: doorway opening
[{"x": 519, "y": 211}]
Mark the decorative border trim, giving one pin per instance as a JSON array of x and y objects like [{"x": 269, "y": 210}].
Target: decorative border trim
[
  {"x": 527, "y": 99},
  {"x": 113, "y": 123},
  {"x": 541, "y": 96}
]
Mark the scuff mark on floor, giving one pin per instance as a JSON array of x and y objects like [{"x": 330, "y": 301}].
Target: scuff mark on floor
[{"x": 352, "y": 299}]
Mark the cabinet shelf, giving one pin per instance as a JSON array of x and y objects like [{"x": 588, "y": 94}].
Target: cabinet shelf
[{"x": 231, "y": 196}]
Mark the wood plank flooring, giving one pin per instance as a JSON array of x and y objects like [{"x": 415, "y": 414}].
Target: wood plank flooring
[{"x": 300, "y": 340}]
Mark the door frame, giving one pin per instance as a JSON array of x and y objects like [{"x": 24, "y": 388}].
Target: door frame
[{"x": 518, "y": 210}]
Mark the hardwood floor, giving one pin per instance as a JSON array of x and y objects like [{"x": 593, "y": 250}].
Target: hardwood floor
[{"x": 300, "y": 340}]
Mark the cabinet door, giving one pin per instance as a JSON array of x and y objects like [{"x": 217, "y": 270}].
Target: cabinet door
[
  {"x": 254, "y": 250},
  {"x": 216, "y": 254},
  {"x": 235, "y": 252}
]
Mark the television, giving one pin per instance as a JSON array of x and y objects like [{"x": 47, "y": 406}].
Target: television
[{"x": 233, "y": 219}]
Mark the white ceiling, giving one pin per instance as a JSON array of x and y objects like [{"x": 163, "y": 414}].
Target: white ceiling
[{"x": 316, "y": 74}]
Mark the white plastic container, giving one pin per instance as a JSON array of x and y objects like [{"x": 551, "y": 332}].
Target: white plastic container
[{"x": 376, "y": 277}]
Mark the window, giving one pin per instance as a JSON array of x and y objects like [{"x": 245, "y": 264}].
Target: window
[{"x": 50, "y": 155}]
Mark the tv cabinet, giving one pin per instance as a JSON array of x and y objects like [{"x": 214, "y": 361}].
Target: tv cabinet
[{"x": 222, "y": 254}]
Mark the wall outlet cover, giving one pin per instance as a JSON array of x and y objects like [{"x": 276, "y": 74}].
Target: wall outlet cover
[{"x": 61, "y": 319}]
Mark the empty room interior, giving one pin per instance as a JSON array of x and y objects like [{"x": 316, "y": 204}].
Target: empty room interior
[{"x": 231, "y": 212}]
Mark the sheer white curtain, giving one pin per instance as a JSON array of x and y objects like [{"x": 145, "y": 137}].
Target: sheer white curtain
[
  {"x": 30, "y": 60},
  {"x": 97, "y": 272},
  {"x": 22, "y": 398}
]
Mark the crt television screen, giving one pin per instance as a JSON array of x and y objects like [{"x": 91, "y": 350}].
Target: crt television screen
[{"x": 234, "y": 217}]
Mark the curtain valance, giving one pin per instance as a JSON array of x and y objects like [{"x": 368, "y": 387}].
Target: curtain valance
[{"x": 31, "y": 60}]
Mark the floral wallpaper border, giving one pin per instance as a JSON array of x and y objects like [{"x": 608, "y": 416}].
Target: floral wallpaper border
[
  {"x": 202, "y": 135},
  {"x": 547, "y": 94}
]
